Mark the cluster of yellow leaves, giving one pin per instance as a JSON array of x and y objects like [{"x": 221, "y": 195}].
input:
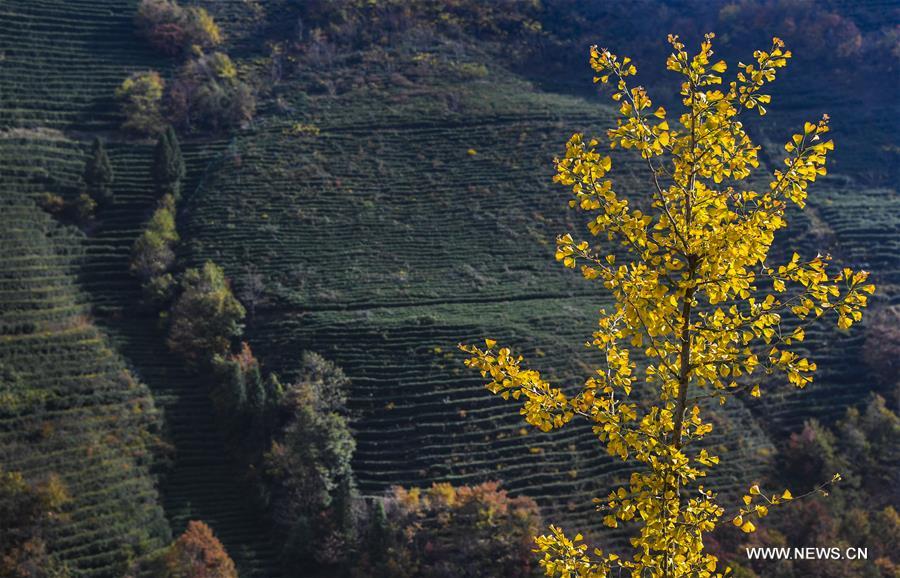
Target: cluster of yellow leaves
[
  {"x": 568, "y": 557},
  {"x": 691, "y": 279},
  {"x": 759, "y": 509},
  {"x": 543, "y": 406},
  {"x": 207, "y": 31}
]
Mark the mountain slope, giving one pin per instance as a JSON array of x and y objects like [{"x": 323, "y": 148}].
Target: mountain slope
[
  {"x": 69, "y": 404},
  {"x": 396, "y": 203}
]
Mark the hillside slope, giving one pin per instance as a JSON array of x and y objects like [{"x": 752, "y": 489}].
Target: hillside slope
[
  {"x": 201, "y": 483},
  {"x": 413, "y": 210},
  {"x": 68, "y": 404},
  {"x": 395, "y": 204},
  {"x": 400, "y": 229}
]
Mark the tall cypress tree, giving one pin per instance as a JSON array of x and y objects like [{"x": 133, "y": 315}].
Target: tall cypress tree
[
  {"x": 168, "y": 164},
  {"x": 378, "y": 532},
  {"x": 98, "y": 173}
]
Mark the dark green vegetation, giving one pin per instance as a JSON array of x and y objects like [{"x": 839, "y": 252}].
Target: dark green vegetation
[
  {"x": 391, "y": 198},
  {"x": 70, "y": 406}
]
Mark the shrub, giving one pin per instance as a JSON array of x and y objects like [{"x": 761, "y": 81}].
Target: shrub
[
  {"x": 153, "y": 253},
  {"x": 79, "y": 210},
  {"x": 197, "y": 553},
  {"x": 140, "y": 96},
  {"x": 206, "y": 316},
  {"x": 208, "y": 93},
  {"x": 168, "y": 165},
  {"x": 27, "y": 511},
  {"x": 173, "y": 30},
  {"x": 451, "y": 531},
  {"x": 52, "y": 203},
  {"x": 98, "y": 173},
  {"x": 83, "y": 208}
]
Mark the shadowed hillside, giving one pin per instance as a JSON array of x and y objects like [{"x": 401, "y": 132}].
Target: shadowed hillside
[{"x": 70, "y": 406}]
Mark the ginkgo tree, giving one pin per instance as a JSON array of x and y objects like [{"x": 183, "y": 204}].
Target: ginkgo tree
[{"x": 695, "y": 291}]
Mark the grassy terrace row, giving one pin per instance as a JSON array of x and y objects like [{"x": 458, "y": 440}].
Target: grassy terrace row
[
  {"x": 70, "y": 405},
  {"x": 348, "y": 219}
]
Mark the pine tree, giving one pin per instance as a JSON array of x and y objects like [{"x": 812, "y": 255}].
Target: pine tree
[
  {"x": 344, "y": 503},
  {"x": 234, "y": 385},
  {"x": 378, "y": 532},
  {"x": 256, "y": 391},
  {"x": 98, "y": 174},
  {"x": 168, "y": 164}
]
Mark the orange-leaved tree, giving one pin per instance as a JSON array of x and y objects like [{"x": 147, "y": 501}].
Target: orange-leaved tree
[
  {"x": 695, "y": 292},
  {"x": 197, "y": 553}
]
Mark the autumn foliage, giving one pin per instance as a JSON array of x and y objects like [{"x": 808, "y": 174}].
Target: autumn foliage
[
  {"x": 206, "y": 92},
  {"x": 444, "y": 531},
  {"x": 27, "y": 511},
  {"x": 860, "y": 512},
  {"x": 140, "y": 96},
  {"x": 153, "y": 252},
  {"x": 197, "y": 553},
  {"x": 173, "y": 30},
  {"x": 457, "y": 531}
]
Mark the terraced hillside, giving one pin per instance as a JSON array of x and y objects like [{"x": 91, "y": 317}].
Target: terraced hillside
[
  {"x": 390, "y": 220},
  {"x": 394, "y": 236},
  {"x": 70, "y": 406},
  {"x": 63, "y": 60},
  {"x": 401, "y": 228},
  {"x": 202, "y": 483}
]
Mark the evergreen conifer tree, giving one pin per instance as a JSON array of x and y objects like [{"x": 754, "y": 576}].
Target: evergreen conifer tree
[
  {"x": 168, "y": 164},
  {"x": 378, "y": 532},
  {"x": 98, "y": 174}
]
